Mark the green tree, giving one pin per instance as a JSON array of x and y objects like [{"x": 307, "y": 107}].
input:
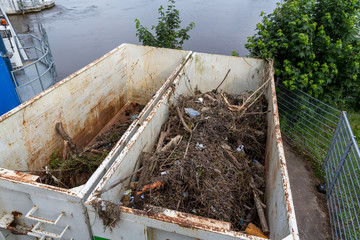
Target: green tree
[
  {"x": 315, "y": 47},
  {"x": 168, "y": 33}
]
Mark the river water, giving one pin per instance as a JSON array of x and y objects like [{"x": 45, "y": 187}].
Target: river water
[{"x": 81, "y": 31}]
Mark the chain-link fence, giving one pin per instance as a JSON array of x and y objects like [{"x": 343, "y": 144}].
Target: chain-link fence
[{"x": 325, "y": 134}]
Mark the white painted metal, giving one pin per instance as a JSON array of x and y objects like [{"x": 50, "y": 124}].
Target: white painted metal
[
  {"x": 10, "y": 6},
  {"x": 84, "y": 102},
  {"x": 29, "y": 215},
  {"x": 204, "y": 72},
  {"x": 10, "y": 42},
  {"x": 22, "y": 6}
]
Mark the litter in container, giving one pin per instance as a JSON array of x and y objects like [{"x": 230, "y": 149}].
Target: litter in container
[{"x": 199, "y": 77}]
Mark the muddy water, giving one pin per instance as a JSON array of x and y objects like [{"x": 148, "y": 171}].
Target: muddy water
[{"x": 81, "y": 31}]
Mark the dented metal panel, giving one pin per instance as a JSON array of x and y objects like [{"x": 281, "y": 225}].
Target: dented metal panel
[
  {"x": 204, "y": 73},
  {"x": 84, "y": 102}
]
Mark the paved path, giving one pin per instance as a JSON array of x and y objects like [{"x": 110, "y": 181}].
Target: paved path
[{"x": 310, "y": 208}]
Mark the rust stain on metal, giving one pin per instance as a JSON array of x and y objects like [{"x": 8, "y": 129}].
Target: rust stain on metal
[
  {"x": 195, "y": 222},
  {"x": 17, "y": 179},
  {"x": 17, "y": 214},
  {"x": 284, "y": 175},
  {"x": 182, "y": 219},
  {"x": 14, "y": 231},
  {"x": 18, "y": 175},
  {"x": 43, "y": 219},
  {"x": 98, "y": 117}
]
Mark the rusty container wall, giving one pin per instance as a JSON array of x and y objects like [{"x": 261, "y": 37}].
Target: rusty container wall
[
  {"x": 280, "y": 208},
  {"x": 204, "y": 72},
  {"x": 84, "y": 102}
]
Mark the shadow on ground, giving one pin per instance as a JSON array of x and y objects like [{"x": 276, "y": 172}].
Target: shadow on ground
[{"x": 310, "y": 206}]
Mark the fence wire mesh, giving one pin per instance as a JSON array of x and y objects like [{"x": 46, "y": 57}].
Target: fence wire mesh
[
  {"x": 307, "y": 121},
  {"x": 342, "y": 173},
  {"x": 325, "y": 134}
]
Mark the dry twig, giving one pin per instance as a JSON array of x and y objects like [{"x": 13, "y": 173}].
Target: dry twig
[{"x": 183, "y": 121}]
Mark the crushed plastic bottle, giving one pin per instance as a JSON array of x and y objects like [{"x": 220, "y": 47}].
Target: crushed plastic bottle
[
  {"x": 199, "y": 146},
  {"x": 240, "y": 148},
  {"x": 134, "y": 116},
  {"x": 103, "y": 206},
  {"x": 191, "y": 112},
  {"x": 259, "y": 165},
  {"x": 200, "y": 100}
]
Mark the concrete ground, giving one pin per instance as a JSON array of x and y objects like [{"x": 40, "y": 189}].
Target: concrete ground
[{"x": 310, "y": 206}]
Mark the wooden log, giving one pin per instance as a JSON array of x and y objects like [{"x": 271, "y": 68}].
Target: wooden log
[
  {"x": 97, "y": 151},
  {"x": 182, "y": 120},
  {"x": 233, "y": 160},
  {"x": 65, "y": 150},
  {"x": 66, "y": 137},
  {"x": 260, "y": 211},
  {"x": 208, "y": 97},
  {"x": 172, "y": 143},
  {"x": 161, "y": 141},
  {"x": 258, "y": 203}
]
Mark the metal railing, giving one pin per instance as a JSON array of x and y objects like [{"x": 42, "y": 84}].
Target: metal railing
[
  {"x": 342, "y": 171},
  {"x": 39, "y": 67},
  {"x": 325, "y": 134}
]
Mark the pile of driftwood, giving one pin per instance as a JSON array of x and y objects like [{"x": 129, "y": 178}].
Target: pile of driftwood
[
  {"x": 74, "y": 165},
  {"x": 208, "y": 161}
]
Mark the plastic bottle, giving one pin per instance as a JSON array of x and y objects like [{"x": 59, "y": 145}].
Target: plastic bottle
[{"x": 259, "y": 165}]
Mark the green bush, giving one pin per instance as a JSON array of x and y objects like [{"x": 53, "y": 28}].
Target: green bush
[
  {"x": 315, "y": 47},
  {"x": 167, "y": 32}
]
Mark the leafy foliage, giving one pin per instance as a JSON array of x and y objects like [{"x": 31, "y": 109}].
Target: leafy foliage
[
  {"x": 167, "y": 32},
  {"x": 315, "y": 46},
  {"x": 235, "y": 53}
]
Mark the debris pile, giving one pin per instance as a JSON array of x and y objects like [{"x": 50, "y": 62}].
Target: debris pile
[
  {"x": 74, "y": 166},
  {"x": 208, "y": 161}
]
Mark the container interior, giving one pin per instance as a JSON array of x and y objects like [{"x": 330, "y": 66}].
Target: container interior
[
  {"x": 84, "y": 102},
  {"x": 203, "y": 73}
]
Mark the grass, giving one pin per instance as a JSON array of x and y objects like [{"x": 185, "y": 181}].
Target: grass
[{"x": 354, "y": 119}]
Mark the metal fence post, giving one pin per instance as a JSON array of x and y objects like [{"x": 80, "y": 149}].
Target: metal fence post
[
  {"x": 341, "y": 164},
  {"x": 326, "y": 135},
  {"x": 333, "y": 142}
]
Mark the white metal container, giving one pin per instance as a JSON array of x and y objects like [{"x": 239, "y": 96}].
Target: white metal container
[
  {"x": 203, "y": 72},
  {"x": 84, "y": 102}
]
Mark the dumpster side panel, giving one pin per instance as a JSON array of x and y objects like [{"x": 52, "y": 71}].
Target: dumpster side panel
[
  {"x": 146, "y": 76},
  {"x": 210, "y": 71},
  {"x": 207, "y": 72},
  {"x": 280, "y": 209},
  {"x": 156, "y": 228},
  {"x": 83, "y": 102},
  {"x": 18, "y": 200}
]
